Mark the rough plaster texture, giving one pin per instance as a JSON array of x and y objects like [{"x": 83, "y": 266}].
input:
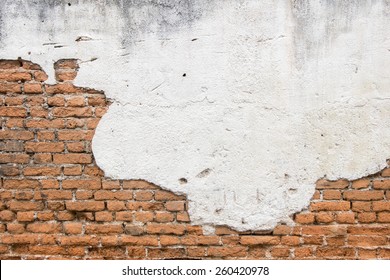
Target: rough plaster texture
[{"x": 242, "y": 105}]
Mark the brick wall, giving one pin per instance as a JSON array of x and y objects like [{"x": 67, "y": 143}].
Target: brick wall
[{"x": 56, "y": 203}]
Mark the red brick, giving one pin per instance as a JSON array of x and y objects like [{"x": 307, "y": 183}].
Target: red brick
[
  {"x": 116, "y": 205},
  {"x": 384, "y": 217},
  {"x": 39, "y": 147},
  {"x": 144, "y": 217},
  {"x": 14, "y": 158},
  {"x": 182, "y": 217},
  {"x": 361, "y": 206},
  {"x": 143, "y": 195},
  {"x": 75, "y": 135},
  {"x": 166, "y": 253},
  {"x": 324, "y": 230},
  {"x": 335, "y": 253},
  {"x": 42, "y": 171},
  {"x": 165, "y": 195},
  {"x": 8, "y": 76},
  {"x": 72, "y": 170},
  {"x": 345, "y": 217},
  {"x": 325, "y": 217},
  {"x": 280, "y": 252},
  {"x": 10, "y": 87},
  {"x": 110, "y": 185},
  {"x": 45, "y": 123},
  {"x": 124, "y": 216},
  {"x": 20, "y": 239},
  {"x": 15, "y": 228}
]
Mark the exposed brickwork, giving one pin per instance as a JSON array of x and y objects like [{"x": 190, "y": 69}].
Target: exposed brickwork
[{"x": 56, "y": 203}]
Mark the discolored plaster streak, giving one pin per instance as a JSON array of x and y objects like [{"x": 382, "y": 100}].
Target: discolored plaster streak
[{"x": 242, "y": 105}]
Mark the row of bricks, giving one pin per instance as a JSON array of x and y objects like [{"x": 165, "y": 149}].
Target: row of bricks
[
  {"x": 57, "y": 112},
  {"x": 231, "y": 252},
  {"x": 57, "y": 100}
]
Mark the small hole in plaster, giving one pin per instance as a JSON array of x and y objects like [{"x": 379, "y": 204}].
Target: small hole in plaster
[
  {"x": 184, "y": 75},
  {"x": 69, "y": 4},
  {"x": 322, "y": 135},
  {"x": 217, "y": 211},
  {"x": 194, "y": 39},
  {"x": 183, "y": 181}
]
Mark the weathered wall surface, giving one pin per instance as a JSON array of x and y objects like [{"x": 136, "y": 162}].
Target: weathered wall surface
[
  {"x": 241, "y": 106},
  {"x": 56, "y": 203}
]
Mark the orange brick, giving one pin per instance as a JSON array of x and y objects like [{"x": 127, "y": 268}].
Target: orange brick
[
  {"x": 167, "y": 240},
  {"x": 381, "y": 206},
  {"x": 42, "y": 171},
  {"x": 79, "y": 240},
  {"x": 324, "y": 230},
  {"x": 176, "y": 229},
  {"x": 140, "y": 240},
  {"x": 175, "y": 206},
  {"x": 313, "y": 240},
  {"x": 72, "y": 112},
  {"x": 280, "y": 252},
  {"x": 14, "y": 158},
  {"x": 234, "y": 251},
  {"x": 104, "y": 216},
  {"x": 25, "y": 216},
  {"x": 384, "y": 217},
  {"x": 144, "y": 217},
  {"x": 75, "y": 147},
  {"x": 10, "y": 87},
  {"x": 20, "y": 239},
  {"x": 56, "y": 194},
  {"x": 44, "y": 123},
  {"x": 366, "y": 217},
  {"x": 14, "y": 100},
  {"x": 325, "y": 217},
  {"x": 40, "y": 76},
  {"x": 331, "y": 194},
  {"x": 369, "y": 230},
  {"x": 24, "y": 195},
  {"x": 56, "y": 100},
  {"x": 260, "y": 240},
  {"x": 166, "y": 253},
  {"x": 73, "y": 228},
  {"x": 345, "y": 218},
  {"x": 138, "y": 184},
  {"x": 42, "y": 158},
  {"x": 116, "y": 205},
  {"x": 361, "y": 184},
  {"x": 367, "y": 241},
  {"x": 381, "y": 185},
  {"x": 65, "y": 215},
  {"x": 84, "y": 205},
  {"x": 25, "y": 205},
  {"x": 44, "y": 227},
  {"x": 84, "y": 195},
  {"x": 125, "y": 216},
  {"x": 330, "y": 206},
  {"x": 45, "y": 135},
  {"x": 38, "y": 112},
  {"x": 97, "y": 100},
  {"x": 72, "y": 158},
  {"x": 208, "y": 240},
  {"x": 366, "y": 254},
  {"x": 33, "y": 88},
  {"x": 182, "y": 217},
  {"x": 305, "y": 218},
  {"x": 72, "y": 170},
  {"x": 45, "y": 216},
  {"x": 361, "y": 206},
  {"x": 303, "y": 252},
  {"x": 76, "y": 101},
  {"x": 81, "y": 184},
  {"x": 363, "y": 195},
  {"x": 75, "y": 135},
  {"x": 9, "y": 76},
  {"x": 325, "y": 184},
  {"x": 39, "y": 147},
  {"x": 164, "y": 217},
  {"x": 15, "y": 228},
  {"x": 49, "y": 184},
  {"x": 335, "y": 253},
  {"x": 134, "y": 230},
  {"x": 165, "y": 195},
  {"x": 282, "y": 230},
  {"x": 111, "y": 185},
  {"x": 143, "y": 195},
  {"x": 7, "y": 215},
  {"x": 103, "y": 229}
]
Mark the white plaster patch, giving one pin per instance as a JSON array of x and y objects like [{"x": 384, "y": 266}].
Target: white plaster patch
[{"x": 242, "y": 109}]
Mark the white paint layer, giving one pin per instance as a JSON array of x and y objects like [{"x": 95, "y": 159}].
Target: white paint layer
[{"x": 240, "y": 105}]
